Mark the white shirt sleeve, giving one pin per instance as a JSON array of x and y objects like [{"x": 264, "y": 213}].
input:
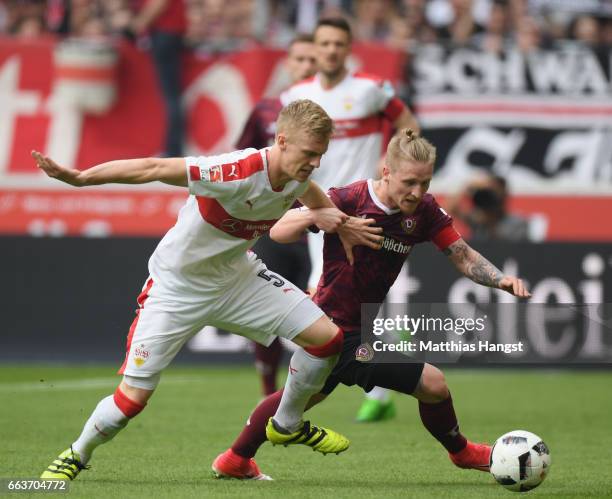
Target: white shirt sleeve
[
  {"x": 210, "y": 175},
  {"x": 382, "y": 93}
]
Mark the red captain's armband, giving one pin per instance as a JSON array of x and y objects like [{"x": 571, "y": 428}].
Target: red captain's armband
[{"x": 447, "y": 236}]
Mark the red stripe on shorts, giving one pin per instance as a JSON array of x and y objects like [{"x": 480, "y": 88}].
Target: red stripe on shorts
[{"x": 142, "y": 298}]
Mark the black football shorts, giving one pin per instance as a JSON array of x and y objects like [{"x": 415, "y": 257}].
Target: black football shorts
[{"x": 402, "y": 376}]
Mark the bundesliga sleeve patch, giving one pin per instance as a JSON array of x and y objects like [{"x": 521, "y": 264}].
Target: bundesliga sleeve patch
[{"x": 197, "y": 174}]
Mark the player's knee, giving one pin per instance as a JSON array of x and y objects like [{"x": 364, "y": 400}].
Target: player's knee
[
  {"x": 328, "y": 346},
  {"x": 321, "y": 339},
  {"x": 142, "y": 383},
  {"x": 433, "y": 384}
]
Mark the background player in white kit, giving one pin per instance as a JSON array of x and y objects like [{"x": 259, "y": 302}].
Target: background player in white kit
[
  {"x": 201, "y": 274},
  {"x": 290, "y": 260},
  {"x": 359, "y": 104}
]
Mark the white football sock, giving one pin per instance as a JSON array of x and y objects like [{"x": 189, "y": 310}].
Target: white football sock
[
  {"x": 104, "y": 423},
  {"x": 381, "y": 394},
  {"x": 307, "y": 375}
]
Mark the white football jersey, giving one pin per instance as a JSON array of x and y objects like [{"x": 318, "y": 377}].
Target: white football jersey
[
  {"x": 231, "y": 205},
  {"x": 358, "y": 106}
]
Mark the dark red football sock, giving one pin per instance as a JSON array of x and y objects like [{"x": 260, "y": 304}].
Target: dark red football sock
[
  {"x": 253, "y": 435},
  {"x": 441, "y": 421},
  {"x": 267, "y": 360}
]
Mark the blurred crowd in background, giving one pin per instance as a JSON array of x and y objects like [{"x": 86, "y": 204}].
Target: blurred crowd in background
[{"x": 224, "y": 25}]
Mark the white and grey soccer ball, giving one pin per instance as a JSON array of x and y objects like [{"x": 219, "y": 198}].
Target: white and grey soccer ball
[{"x": 520, "y": 460}]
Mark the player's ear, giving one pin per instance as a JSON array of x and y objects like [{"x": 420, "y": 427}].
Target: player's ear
[
  {"x": 281, "y": 140},
  {"x": 385, "y": 171}
]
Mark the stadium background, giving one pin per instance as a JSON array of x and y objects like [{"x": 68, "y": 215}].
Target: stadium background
[{"x": 529, "y": 101}]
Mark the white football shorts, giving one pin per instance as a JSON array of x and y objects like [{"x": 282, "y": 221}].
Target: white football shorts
[{"x": 259, "y": 305}]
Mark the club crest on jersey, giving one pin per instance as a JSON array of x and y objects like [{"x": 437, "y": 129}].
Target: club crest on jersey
[
  {"x": 408, "y": 224},
  {"x": 349, "y": 102},
  {"x": 364, "y": 353}
]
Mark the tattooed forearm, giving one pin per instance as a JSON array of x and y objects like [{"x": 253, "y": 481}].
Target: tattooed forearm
[
  {"x": 473, "y": 265},
  {"x": 482, "y": 271}
]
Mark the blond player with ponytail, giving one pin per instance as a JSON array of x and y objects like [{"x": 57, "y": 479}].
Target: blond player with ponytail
[{"x": 400, "y": 204}]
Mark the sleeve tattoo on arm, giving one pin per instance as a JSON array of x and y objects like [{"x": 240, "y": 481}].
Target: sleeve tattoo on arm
[{"x": 473, "y": 265}]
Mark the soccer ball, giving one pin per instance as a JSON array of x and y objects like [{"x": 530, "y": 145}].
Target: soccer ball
[{"x": 520, "y": 460}]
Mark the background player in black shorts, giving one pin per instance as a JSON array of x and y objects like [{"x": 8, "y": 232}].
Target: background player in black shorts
[
  {"x": 408, "y": 215},
  {"x": 289, "y": 260}
]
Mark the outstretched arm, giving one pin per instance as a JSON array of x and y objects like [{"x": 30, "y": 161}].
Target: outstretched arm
[
  {"x": 480, "y": 270},
  {"x": 124, "y": 171}
]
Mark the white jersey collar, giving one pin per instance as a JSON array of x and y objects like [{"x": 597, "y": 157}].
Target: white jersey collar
[{"x": 377, "y": 201}]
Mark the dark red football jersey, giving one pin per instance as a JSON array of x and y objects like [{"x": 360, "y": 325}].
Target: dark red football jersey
[
  {"x": 342, "y": 287},
  {"x": 260, "y": 128}
]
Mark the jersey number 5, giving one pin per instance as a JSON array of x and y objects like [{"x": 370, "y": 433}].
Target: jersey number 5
[{"x": 276, "y": 281}]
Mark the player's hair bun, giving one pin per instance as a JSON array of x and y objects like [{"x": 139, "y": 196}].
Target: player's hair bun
[
  {"x": 410, "y": 134},
  {"x": 407, "y": 144}
]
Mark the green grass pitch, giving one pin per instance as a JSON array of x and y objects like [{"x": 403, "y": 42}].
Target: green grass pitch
[{"x": 196, "y": 412}]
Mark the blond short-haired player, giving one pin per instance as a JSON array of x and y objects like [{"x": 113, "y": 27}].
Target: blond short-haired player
[{"x": 202, "y": 273}]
